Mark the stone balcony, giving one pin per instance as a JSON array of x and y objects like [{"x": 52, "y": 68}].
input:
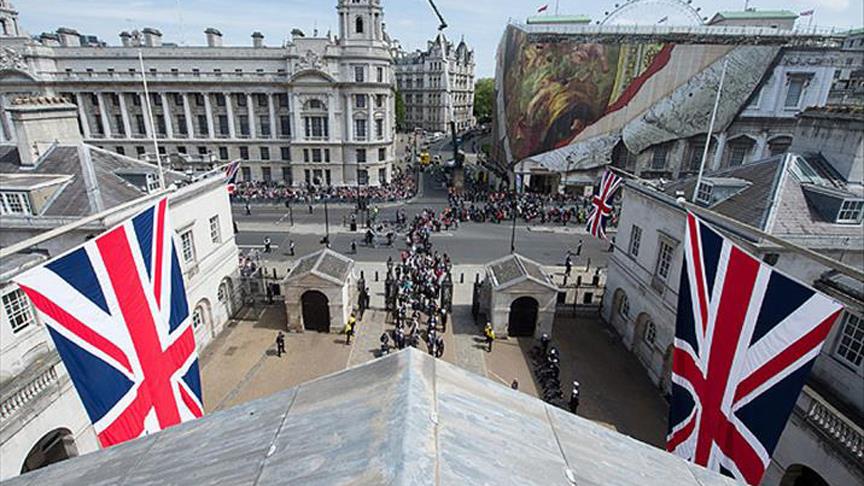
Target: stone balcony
[
  {"x": 22, "y": 396},
  {"x": 839, "y": 430}
]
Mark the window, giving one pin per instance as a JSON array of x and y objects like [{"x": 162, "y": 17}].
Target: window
[
  {"x": 283, "y": 100},
  {"x": 850, "y": 211},
  {"x": 358, "y": 25},
  {"x": 285, "y": 153},
  {"x": 794, "y": 92},
  {"x": 382, "y": 176},
  {"x": 15, "y": 203},
  {"x": 187, "y": 246},
  {"x": 284, "y": 126},
  {"x": 286, "y": 175},
  {"x": 223, "y": 153},
  {"x": 658, "y": 161},
  {"x": 220, "y": 99},
  {"x": 635, "y": 240},
  {"x": 199, "y": 99},
  {"x": 359, "y": 75},
  {"x": 181, "y": 124},
  {"x": 316, "y": 127},
  {"x": 326, "y": 155},
  {"x": 139, "y": 124},
  {"x": 379, "y": 74},
  {"x": 316, "y": 155},
  {"x": 197, "y": 317},
  {"x": 202, "y": 125},
  {"x": 181, "y": 149},
  {"x": 267, "y": 174},
  {"x": 650, "y": 335},
  {"x": 139, "y": 151},
  {"x": 379, "y": 128},
  {"x": 223, "y": 125},
  {"x": 265, "y": 153},
  {"x": 244, "y": 125},
  {"x": 244, "y": 153},
  {"x": 695, "y": 160},
  {"x": 624, "y": 307},
  {"x": 241, "y": 100},
  {"x": 664, "y": 260},
  {"x": 361, "y": 156},
  {"x": 703, "y": 194},
  {"x": 360, "y": 101},
  {"x": 247, "y": 173},
  {"x": 379, "y": 101},
  {"x": 382, "y": 154},
  {"x": 850, "y": 345},
  {"x": 215, "y": 230},
  {"x": 120, "y": 150},
  {"x": 202, "y": 150},
  {"x": 264, "y": 124},
  {"x": 360, "y": 129},
  {"x": 306, "y": 155},
  {"x": 262, "y": 100},
  {"x": 18, "y": 310}
]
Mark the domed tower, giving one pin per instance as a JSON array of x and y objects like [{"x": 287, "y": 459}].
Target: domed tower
[
  {"x": 360, "y": 20},
  {"x": 9, "y": 20}
]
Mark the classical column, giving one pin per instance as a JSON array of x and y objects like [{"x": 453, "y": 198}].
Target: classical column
[
  {"x": 349, "y": 115},
  {"x": 147, "y": 115},
  {"x": 5, "y": 126},
  {"x": 82, "y": 115},
  {"x": 103, "y": 113},
  {"x": 761, "y": 145},
  {"x": 294, "y": 106},
  {"x": 250, "y": 110},
  {"x": 331, "y": 117},
  {"x": 166, "y": 113},
  {"x": 231, "y": 133},
  {"x": 271, "y": 112},
  {"x": 209, "y": 110},
  {"x": 718, "y": 150},
  {"x": 124, "y": 114},
  {"x": 187, "y": 111},
  {"x": 370, "y": 118}
]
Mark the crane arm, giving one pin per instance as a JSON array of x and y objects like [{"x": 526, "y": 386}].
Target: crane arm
[{"x": 440, "y": 18}]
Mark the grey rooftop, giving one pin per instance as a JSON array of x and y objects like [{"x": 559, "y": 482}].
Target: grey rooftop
[{"x": 403, "y": 419}]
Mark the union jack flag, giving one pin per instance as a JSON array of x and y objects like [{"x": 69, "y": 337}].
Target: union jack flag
[
  {"x": 116, "y": 310},
  {"x": 602, "y": 204},
  {"x": 745, "y": 339},
  {"x": 230, "y": 171}
]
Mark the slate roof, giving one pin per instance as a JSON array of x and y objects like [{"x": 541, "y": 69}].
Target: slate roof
[
  {"x": 515, "y": 268},
  {"x": 405, "y": 419},
  {"x": 326, "y": 264},
  {"x": 72, "y": 199}
]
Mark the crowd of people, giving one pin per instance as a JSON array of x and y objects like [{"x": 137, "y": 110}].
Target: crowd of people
[
  {"x": 498, "y": 206},
  {"x": 402, "y": 187},
  {"x": 418, "y": 303}
]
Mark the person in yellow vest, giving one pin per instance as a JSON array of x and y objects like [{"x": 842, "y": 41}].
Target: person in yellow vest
[
  {"x": 349, "y": 328},
  {"x": 490, "y": 336}
]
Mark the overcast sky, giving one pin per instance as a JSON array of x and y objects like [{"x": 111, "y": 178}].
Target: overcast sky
[{"x": 481, "y": 22}]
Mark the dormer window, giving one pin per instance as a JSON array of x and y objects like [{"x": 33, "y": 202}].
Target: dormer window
[
  {"x": 850, "y": 211},
  {"x": 19, "y": 203},
  {"x": 703, "y": 194}
]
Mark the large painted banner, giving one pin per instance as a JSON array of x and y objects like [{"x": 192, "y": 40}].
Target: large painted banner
[{"x": 583, "y": 96}]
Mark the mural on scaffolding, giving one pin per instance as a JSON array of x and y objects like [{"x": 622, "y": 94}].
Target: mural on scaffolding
[{"x": 579, "y": 97}]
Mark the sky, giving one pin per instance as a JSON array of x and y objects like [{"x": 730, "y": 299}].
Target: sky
[{"x": 412, "y": 22}]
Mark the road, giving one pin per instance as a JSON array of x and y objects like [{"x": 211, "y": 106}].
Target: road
[{"x": 472, "y": 243}]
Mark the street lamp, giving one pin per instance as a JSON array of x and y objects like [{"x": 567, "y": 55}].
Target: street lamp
[{"x": 326, "y": 240}]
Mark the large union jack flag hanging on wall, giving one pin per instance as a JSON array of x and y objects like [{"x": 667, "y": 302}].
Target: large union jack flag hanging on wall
[
  {"x": 116, "y": 310},
  {"x": 230, "y": 171},
  {"x": 601, "y": 209},
  {"x": 745, "y": 339}
]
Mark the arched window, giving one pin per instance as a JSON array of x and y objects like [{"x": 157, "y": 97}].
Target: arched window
[
  {"x": 624, "y": 307},
  {"x": 650, "y": 332},
  {"x": 197, "y": 317},
  {"x": 358, "y": 25}
]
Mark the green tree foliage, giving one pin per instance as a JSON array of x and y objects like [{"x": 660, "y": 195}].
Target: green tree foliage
[
  {"x": 484, "y": 91},
  {"x": 400, "y": 111}
]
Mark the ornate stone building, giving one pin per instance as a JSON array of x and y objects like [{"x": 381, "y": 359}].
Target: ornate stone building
[
  {"x": 316, "y": 107},
  {"x": 437, "y": 85}
]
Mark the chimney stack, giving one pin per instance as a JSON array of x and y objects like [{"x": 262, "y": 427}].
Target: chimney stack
[
  {"x": 257, "y": 39},
  {"x": 126, "y": 39},
  {"x": 214, "y": 37},
  {"x": 41, "y": 121},
  {"x": 69, "y": 37},
  {"x": 152, "y": 37}
]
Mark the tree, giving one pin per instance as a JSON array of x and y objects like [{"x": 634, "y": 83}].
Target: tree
[
  {"x": 400, "y": 111},
  {"x": 484, "y": 92}
]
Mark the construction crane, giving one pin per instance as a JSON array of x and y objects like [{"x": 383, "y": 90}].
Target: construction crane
[{"x": 440, "y": 18}]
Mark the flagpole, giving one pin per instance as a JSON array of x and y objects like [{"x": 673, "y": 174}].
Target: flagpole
[
  {"x": 710, "y": 129},
  {"x": 150, "y": 117},
  {"x": 556, "y": 8}
]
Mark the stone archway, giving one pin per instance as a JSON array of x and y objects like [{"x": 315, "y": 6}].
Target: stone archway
[
  {"x": 620, "y": 315},
  {"x": 225, "y": 295},
  {"x": 644, "y": 335},
  {"x": 55, "y": 446},
  {"x": 523, "y": 317},
  {"x": 666, "y": 377},
  {"x": 316, "y": 311},
  {"x": 202, "y": 318},
  {"x": 801, "y": 475}
]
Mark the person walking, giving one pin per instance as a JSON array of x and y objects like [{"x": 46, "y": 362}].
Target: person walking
[
  {"x": 568, "y": 265},
  {"x": 490, "y": 336},
  {"x": 439, "y": 346},
  {"x": 280, "y": 344},
  {"x": 574, "y": 398},
  {"x": 248, "y": 209},
  {"x": 579, "y": 248},
  {"x": 291, "y": 248},
  {"x": 349, "y": 329},
  {"x": 515, "y": 384},
  {"x": 268, "y": 243},
  {"x": 354, "y": 246}
]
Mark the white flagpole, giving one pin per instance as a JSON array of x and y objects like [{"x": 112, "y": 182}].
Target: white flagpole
[
  {"x": 150, "y": 116},
  {"x": 710, "y": 128}
]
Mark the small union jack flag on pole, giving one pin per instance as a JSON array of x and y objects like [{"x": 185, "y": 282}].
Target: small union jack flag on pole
[
  {"x": 746, "y": 337},
  {"x": 230, "y": 170},
  {"x": 117, "y": 312},
  {"x": 602, "y": 204}
]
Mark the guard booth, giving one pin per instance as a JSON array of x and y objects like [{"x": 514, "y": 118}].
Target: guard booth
[
  {"x": 319, "y": 292},
  {"x": 517, "y": 297}
]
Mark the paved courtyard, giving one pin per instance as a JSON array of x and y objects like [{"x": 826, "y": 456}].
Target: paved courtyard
[{"x": 242, "y": 365}]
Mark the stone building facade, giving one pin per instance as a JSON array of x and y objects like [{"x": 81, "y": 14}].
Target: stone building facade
[
  {"x": 50, "y": 179},
  {"x": 315, "y": 107},
  {"x": 437, "y": 85}
]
